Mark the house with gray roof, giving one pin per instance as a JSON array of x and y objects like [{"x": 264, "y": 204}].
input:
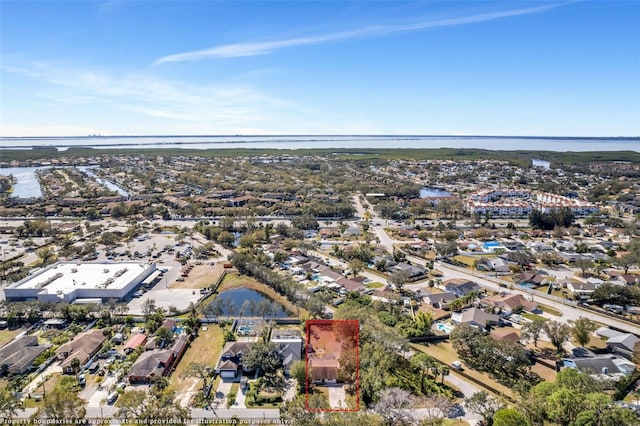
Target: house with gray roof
[
  {"x": 623, "y": 344},
  {"x": 460, "y": 286},
  {"x": 17, "y": 356},
  {"x": 289, "y": 344},
  {"x": 475, "y": 317}
]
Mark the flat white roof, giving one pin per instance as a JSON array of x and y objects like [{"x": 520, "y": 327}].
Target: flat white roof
[{"x": 63, "y": 277}]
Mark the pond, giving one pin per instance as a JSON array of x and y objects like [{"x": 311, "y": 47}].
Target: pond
[
  {"x": 250, "y": 302},
  {"x": 433, "y": 192}
]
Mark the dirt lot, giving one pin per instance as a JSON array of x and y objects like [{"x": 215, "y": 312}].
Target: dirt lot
[{"x": 200, "y": 276}]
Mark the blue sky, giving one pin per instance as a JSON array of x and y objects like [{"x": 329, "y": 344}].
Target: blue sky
[{"x": 330, "y": 67}]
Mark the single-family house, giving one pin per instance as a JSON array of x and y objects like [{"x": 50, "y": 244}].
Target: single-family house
[
  {"x": 630, "y": 279},
  {"x": 505, "y": 334},
  {"x": 82, "y": 347},
  {"x": 17, "y": 356},
  {"x": 289, "y": 344},
  {"x": 230, "y": 362},
  {"x": 460, "y": 286},
  {"x": 623, "y": 344},
  {"x": 412, "y": 271},
  {"x": 601, "y": 367},
  {"x": 496, "y": 264},
  {"x": 510, "y": 303},
  {"x": 323, "y": 374},
  {"x": 475, "y": 317},
  {"x": 351, "y": 284},
  {"x": 581, "y": 288},
  {"x": 530, "y": 277},
  {"x": 134, "y": 342},
  {"x": 150, "y": 364},
  {"x": 439, "y": 300}
]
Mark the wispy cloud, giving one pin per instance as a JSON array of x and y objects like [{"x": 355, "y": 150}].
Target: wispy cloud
[
  {"x": 266, "y": 47},
  {"x": 212, "y": 108}
]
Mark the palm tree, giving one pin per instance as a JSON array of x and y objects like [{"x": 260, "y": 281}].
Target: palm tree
[{"x": 444, "y": 371}]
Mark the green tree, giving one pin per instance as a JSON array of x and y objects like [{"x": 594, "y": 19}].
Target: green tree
[
  {"x": 62, "y": 404},
  {"x": 131, "y": 405},
  {"x": 564, "y": 405},
  {"x": 558, "y": 333},
  {"x": 584, "y": 265},
  {"x": 581, "y": 330},
  {"x": 10, "y": 404},
  {"x": 46, "y": 255},
  {"x": 509, "y": 417},
  {"x": 483, "y": 404},
  {"x": 299, "y": 372},
  {"x": 532, "y": 330}
]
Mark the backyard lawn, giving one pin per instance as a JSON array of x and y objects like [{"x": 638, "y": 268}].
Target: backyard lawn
[
  {"x": 7, "y": 335},
  {"x": 205, "y": 348},
  {"x": 445, "y": 353}
]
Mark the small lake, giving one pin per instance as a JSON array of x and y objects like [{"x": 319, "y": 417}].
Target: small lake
[
  {"x": 27, "y": 184},
  {"x": 241, "y": 298},
  {"x": 433, "y": 192}
]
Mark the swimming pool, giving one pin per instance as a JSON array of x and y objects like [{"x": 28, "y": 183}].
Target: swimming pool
[
  {"x": 527, "y": 285},
  {"x": 443, "y": 327}
]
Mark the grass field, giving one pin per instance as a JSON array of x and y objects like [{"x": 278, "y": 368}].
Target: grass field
[
  {"x": 201, "y": 276},
  {"x": 205, "y": 348},
  {"x": 550, "y": 310},
  {"x": 532, "y": 317},
  {"x": 374, "y": 284},
  {"x": 7, "y": 335},
  {"x": 445, "y": 353}
]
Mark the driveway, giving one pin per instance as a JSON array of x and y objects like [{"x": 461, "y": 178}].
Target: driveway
[
  {"x": 337, "y": 396},
  {"x": 37, "y": 381},
  {"x": 224, "y": 387}
]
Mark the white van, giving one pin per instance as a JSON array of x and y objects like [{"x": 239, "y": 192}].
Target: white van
[{"x": 112, "y": 397}]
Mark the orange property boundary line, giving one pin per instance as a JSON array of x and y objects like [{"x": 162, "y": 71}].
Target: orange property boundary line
[{"x": 355, "y": 327}]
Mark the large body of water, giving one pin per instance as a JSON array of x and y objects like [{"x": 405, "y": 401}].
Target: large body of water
[{"x": 330, "y": 142}]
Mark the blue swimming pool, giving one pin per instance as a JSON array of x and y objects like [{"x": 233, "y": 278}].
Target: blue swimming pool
[
  {"x": 527, "y": 285},
  {"x": 491, "y": 244},
  {"x": 443, "y": 327}
]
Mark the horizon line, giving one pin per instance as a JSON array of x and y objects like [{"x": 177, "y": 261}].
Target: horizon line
[{"x": 406, "y": 135}]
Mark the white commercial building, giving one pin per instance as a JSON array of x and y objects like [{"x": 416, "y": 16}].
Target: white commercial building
[{"x": 72, "y": 281}]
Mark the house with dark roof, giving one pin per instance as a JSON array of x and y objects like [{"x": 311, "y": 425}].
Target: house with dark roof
[
  {"x": 82, "y": 347},
  {"x": 412, "y": 271},
  {"x": 601, "y": 367},
  {"x": 351, "y": 284},
  {"x": 440, "y": 300},
  {"x": 149, "y": 365},
  {"x": 529, "y": 277},
  {"x": 460, "y": 286},
  {"x": 230, "y": 362},
  {"x": 17, "y": 356}
]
